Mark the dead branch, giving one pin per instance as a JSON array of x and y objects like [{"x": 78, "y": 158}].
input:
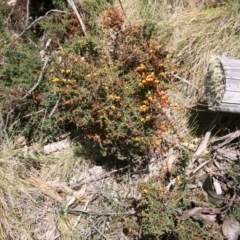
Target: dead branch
[
  {"x": 199, "y": 167},
  {"x": 74, "y": 8},
  {"x": 39, "y": 79},
  {"x": 27, "y": 13},
  {"x": 77, "y": 211},
  {"x": 184, "y": 80},
  {"x": 229, "y": 137},
  {"x": 120, "y": 2},
  {"x": 37, "y": 20},
  {"x": 202, "y": 147},
  {"x": 55, "y": 107}
]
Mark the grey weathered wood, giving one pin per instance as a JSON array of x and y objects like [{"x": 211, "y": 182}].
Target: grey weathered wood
[{"x": 230, "y": 98}]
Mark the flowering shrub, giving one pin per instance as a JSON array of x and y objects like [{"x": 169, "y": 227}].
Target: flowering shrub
[
  {"x": 112, "y": 85},
  {"x": 118, "y": 107}
]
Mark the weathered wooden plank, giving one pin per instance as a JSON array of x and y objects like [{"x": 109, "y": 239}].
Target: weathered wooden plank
[
  {"x": 228, "y": 107},
  {"x": 231, "y": 88},
  {"x": 232, "y": 74},
  {"x": 229, "y": 70},
  {"x": 231, "y": 101},
  {"x": 236, "y": 78},
  {"x": 233, "y": 82},
  {"x": 233, "y": 95},
  {"x": 229, "y": 62},
  {"x": 236, "y": 68}
]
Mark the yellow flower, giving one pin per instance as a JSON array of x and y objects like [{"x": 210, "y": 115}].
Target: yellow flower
[
  {"x": 117, "y": 98},
  {"x": 148, "y": 118},
  {"x": 163, "y": 97},
  {"x": 143, "y": 108},
  {"x": 88, "y": 75},
  {"x": 68, "y": 71},
  {"x": 178, "y": 180},
  {"x": 55, "y": 80},
  {"x": 111, "y": 96},
  {"x": 142, "y": 120},
  {"x": 145, "y": 191},
  {"x": 113, "y": 107},
  {"x": 141, "y": 67},
  {"x": 140, "y": 84},
  {"x": 157, "y": 142},
  {"x": 106, "y": 88},
  {"x": 163, "y": 75},
  {"x": 150, "y": 98}
]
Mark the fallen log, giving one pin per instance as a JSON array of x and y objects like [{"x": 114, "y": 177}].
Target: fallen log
[{"x": 222, "y": 84}]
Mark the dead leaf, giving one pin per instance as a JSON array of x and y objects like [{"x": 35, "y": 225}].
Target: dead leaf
[
  {"x": 217, "y": 186},
  {"x": 205, "y": 217},
  {"x": 213, "y": 197},
  {"x": 195, "y": 212},
  {"x": 231, "y": 228}
]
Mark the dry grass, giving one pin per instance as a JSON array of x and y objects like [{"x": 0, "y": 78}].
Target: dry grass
[
  {"x": 63, "y": 197},
  {"x": 195, "y": 32},
  {"x": 26, "y": 212}
]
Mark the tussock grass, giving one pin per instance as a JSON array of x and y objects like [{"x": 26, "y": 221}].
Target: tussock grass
[
  {"x": 15, "y": 199},
  {"x": 194, "y": 34},
  {"x": 199, "y": 34}
]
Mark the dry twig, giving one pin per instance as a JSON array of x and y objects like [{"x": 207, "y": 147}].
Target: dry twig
[
  {"x": 74, "y": 8},
  {"x": 37, "y": 20},
  {"x": 202, "y": 147},
  {"x": 55, "y": 107},
  {"x": 229, "y": 137},
  {"x": 78, "y": 211}
]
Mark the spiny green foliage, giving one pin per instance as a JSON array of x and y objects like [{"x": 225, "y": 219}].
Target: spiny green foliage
[
  {"x": 22, "y": 63},
  {"x": 115, "y": 95},
  {"x": 116, "y": 102},
  {"x": 158, "y": 212}
]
